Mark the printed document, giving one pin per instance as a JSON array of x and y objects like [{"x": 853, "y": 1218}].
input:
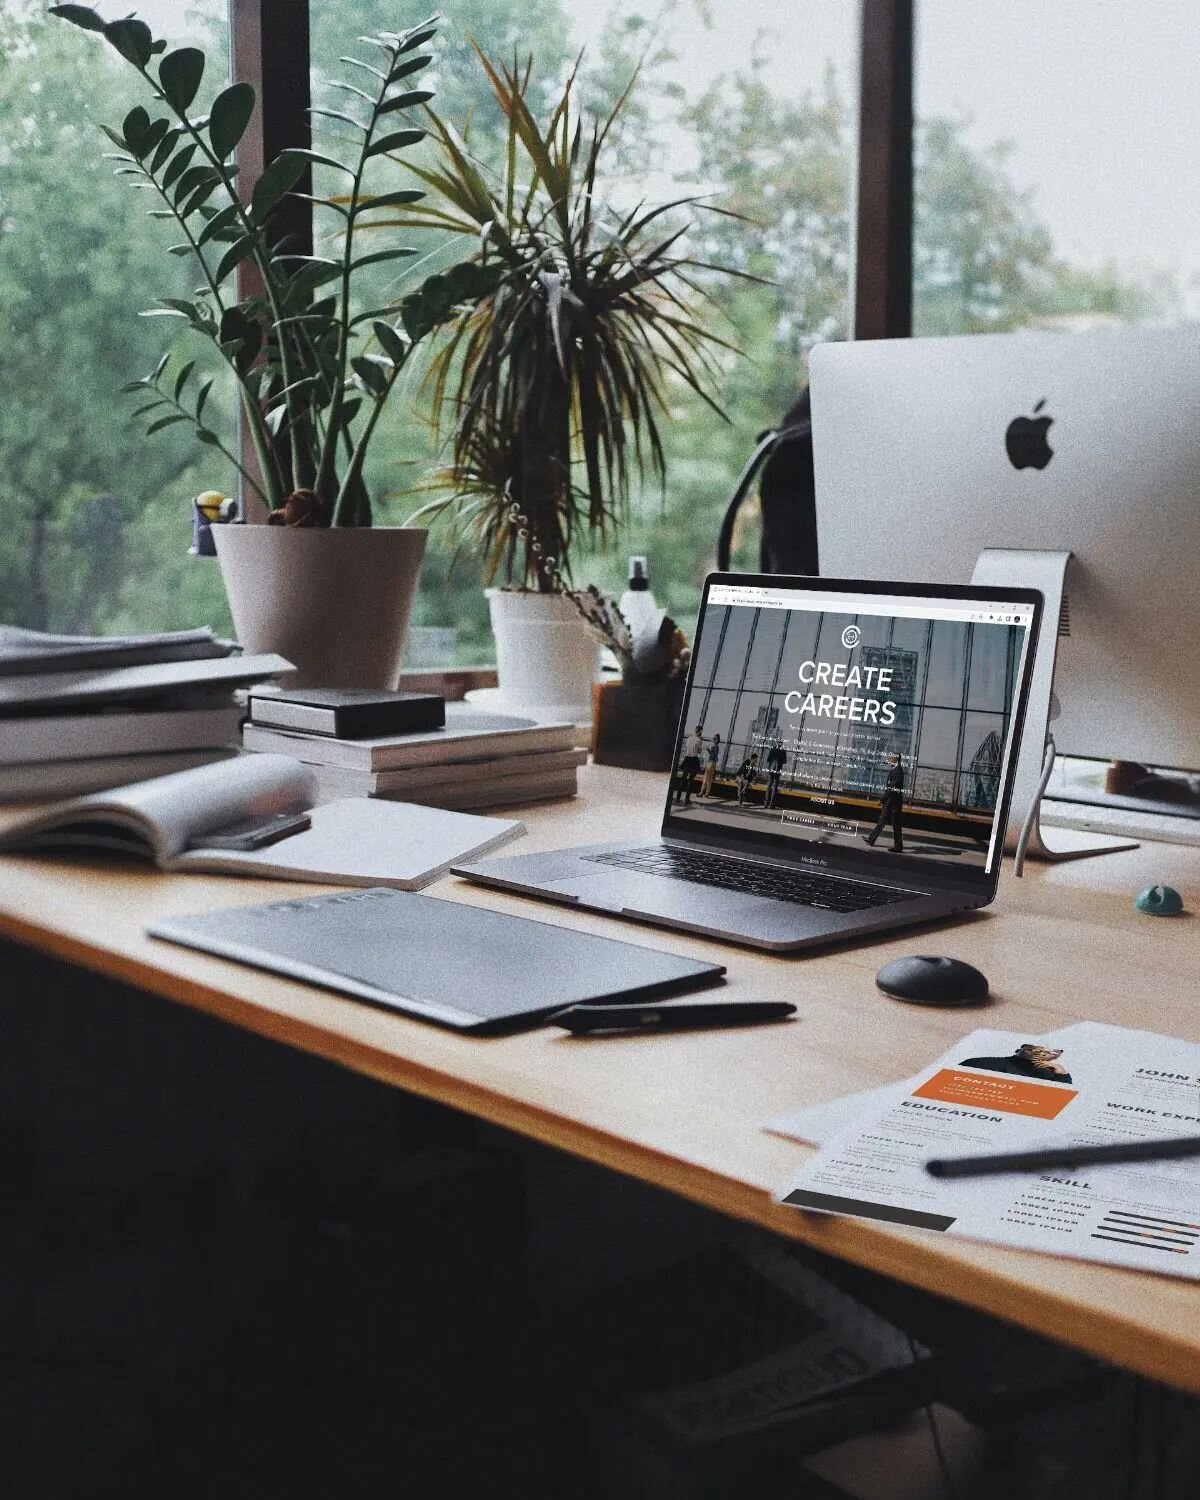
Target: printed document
[
  {"x": 999, "y": 1091},
  {"x": 818, "y": 1123}
]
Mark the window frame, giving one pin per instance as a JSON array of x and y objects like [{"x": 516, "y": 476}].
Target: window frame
[
  {"x": 883, "y": 266},
  {"x": 270, "y": 48}
]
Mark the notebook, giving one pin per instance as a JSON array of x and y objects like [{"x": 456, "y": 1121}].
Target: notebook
[
  {"x": 463, "y": 966},
  {"x": 23, "y": 651},
  {"x": 350, "y": 842},
  {"x": 540, "y": 766},
  {"x": 129, "y": 731},
  {"x": 39, "y": 692}
]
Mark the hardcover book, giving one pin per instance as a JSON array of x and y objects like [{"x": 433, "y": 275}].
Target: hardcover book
[{"x": 347, "y": 713}]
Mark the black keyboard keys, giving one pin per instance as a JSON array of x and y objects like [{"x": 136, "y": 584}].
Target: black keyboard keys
[{"x": 797, "y": 887}]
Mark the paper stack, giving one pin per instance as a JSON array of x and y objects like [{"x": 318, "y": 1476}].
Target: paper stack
[
  {"x": 475, "y": 760},
  {"x": 85, "y": 713}
]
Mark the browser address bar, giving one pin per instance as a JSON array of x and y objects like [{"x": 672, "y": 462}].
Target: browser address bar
[{"x": 982, "y": 611}]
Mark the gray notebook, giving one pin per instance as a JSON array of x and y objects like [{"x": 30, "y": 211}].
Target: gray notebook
[{"x": 464, "y": 966}]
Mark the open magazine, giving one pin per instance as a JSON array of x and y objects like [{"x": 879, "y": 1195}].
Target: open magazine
[{"x": 353, "y": 841}]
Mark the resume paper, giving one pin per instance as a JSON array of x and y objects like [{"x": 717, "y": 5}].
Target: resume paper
[{"x": 996, "y": 1092}]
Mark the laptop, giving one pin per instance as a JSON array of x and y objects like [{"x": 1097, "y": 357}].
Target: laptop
[{"x": 843, "y": 766}]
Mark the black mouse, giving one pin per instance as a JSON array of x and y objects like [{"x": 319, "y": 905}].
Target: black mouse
[{"x": 922, "y": 979}]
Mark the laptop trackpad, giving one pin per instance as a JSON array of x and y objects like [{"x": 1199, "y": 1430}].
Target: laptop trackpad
[{"x": 658, "y": 896}]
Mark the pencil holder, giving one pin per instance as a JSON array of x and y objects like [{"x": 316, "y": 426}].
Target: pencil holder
[{"x": 634, "y": 722}]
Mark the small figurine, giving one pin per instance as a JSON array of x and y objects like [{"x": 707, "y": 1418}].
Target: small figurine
[{"x": 208, "y": 509}]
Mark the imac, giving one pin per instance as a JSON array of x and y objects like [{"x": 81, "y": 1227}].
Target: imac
[{"x": 928, "y": 452}]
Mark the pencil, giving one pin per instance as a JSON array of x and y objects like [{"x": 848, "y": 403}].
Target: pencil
[{"x": 1170, "y": 1148}]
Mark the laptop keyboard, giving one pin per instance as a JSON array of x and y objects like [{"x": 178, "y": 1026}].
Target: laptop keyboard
[{"x": 797, "y": 887}]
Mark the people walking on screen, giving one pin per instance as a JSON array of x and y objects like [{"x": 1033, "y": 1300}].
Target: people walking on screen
[
  {"x": 710, "y": 766},
  {"x": 776, "y": 760},
  {"x": 747, "y": 772},
  {"x": 1029, "y": 1061},
  {"x": 893, "y": 806},
  {"x": 689, "y": 766}
]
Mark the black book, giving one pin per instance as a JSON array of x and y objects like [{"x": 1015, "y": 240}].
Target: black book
[{"x": 348, "y": 713}]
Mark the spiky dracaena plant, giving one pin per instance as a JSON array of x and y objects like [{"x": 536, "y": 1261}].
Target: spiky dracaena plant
[
  {"x": 313, "y": 372},
  {"x": 554, "y": 384}
]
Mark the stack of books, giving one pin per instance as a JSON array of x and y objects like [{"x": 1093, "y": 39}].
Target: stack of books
[
  {"x": 474, "y": 760},
  {"x": 85, "y": 713}
]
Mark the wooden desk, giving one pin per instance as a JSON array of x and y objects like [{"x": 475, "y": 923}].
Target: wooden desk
[{"x": 685, "y": 1112}]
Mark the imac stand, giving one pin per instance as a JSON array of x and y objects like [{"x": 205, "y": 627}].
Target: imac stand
[{"x": 1047, "y": 572}]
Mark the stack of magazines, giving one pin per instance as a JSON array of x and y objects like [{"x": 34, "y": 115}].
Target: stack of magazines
[
  {"x": 85, "y": 713},
  {"x": 474, "y": 760}
]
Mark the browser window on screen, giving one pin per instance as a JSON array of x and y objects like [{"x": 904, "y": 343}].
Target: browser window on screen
[{"x": 880, "y": 724}]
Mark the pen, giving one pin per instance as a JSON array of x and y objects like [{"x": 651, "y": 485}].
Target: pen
[
  {"x": 582, "y": 1020},
  {"x": 1171, "y": 1148}
]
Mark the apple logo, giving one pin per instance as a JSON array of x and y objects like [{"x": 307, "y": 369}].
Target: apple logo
[{"x": 1025, "y": 441}]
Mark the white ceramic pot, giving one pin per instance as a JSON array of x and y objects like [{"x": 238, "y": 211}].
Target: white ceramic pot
[
  {"x": 546, "y": 658},
  {"x": 335, "y": 601}
]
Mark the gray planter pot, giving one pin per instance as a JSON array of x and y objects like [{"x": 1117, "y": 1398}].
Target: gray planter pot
[{"x": 335, "y": 601}]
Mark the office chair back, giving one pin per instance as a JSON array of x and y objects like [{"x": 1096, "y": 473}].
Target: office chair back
[{"x": 782, "y": 462}]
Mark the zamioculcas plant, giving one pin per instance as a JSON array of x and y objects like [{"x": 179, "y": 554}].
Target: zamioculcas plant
[
  {"x": 313, "y": 370},
  {"x": 553, "y": 384}
]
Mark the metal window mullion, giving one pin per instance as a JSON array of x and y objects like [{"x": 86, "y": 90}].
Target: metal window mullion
[
  {"x": 883, "y": 250},
  {"x": 269, "y": 48}
]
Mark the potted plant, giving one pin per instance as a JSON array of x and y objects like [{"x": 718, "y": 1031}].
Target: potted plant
[
  {"x": 313, "y": 371},
  {"x": 554, "y": 382}
]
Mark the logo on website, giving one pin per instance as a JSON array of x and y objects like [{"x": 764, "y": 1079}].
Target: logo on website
[{"x": 851, "y": 637}]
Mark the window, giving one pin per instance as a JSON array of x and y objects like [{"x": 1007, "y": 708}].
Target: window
[
  {"x": 755, "y": 104},
  {"x": 94, "y": 517},
  {"x": 1056, "y": 158}
]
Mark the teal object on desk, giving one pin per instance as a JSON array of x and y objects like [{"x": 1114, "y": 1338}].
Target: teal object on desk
[{"x": 1159, "y": 901}]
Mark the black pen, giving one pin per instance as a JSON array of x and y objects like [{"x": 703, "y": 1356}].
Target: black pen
[
  {"x": 584, "y": 1020},
  {"x": 1170, "y": 1148}
]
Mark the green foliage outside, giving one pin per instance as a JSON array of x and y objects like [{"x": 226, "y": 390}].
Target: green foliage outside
[{"x": 94, "y": 519}]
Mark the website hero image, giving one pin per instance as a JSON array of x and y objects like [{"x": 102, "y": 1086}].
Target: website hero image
[{"x": 889, "y": 730}]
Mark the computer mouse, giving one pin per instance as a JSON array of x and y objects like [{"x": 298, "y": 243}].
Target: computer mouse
[{"x": 922, "y": 979}]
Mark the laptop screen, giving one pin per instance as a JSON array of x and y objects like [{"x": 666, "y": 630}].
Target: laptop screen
[{"x": 866, "y": 722}]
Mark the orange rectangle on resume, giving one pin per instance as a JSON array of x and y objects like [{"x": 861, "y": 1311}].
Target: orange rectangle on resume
[{"x": 1013, "y": 1096}]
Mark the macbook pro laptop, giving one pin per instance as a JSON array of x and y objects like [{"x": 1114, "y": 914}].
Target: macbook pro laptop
[{"x": 842, "y": 767}]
